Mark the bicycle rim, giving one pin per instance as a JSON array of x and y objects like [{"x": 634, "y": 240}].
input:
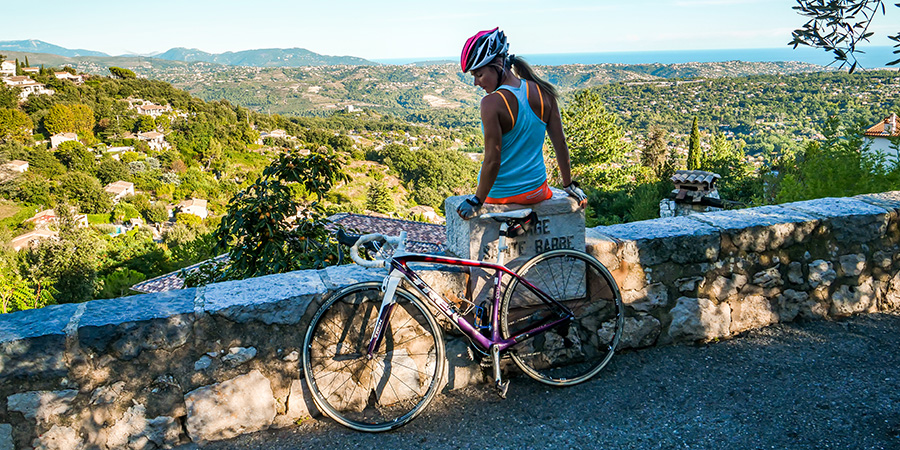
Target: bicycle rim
[
  {"x": 576, "y": 350},
  {"x": 390, "y": 389}
]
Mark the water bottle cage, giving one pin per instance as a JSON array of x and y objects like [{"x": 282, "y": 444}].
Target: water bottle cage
[{"x": 482, "y": 321}]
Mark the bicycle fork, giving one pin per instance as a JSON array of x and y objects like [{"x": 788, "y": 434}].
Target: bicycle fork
[{"x": 389, "y": 287}]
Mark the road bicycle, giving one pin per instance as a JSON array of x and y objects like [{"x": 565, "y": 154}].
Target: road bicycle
[{"x": 374, "y": 355}]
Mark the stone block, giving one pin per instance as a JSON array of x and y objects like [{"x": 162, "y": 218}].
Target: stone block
[
  {"x": 763, "y": 228},
  {"x": 560, "y": 225},
  {"x": 134, "y": 431},
  {"x": 462, "y": 370},
  {"x": 6, "y": 439},
  {"x": 677, "y": 239},
  {"x": 299, "y": 402},
  {"x": 138, "y": 308},
  {"x": 273, "y": 299},
  {"x": 891, "y": 298},
  {"x": 652, "y": 296},
  {"x": 886, "y": 200},
  {"x": 722, "y": 288},
  {"x": 852, "y": 220},
  {"x": 59, "y": 438},
  {"x": 32, "y": 341},
  {"x": 754, "y": 311},
  {"x": 852, "y": 265},
  {"x": 603, "y": 247},
  {"x": 337, "y": 277},
  {"x": 639, "y": 331},
  {"x": 854, "y": 299},
  {"x": 41, "y": 406},
  {"x": 243, "y": 404},
  {"x": 789, "y": 304},
  {"x": 795, "y": 272},
  {"x": 699, "y": 319},
  {"x": 821, "y": 273}
]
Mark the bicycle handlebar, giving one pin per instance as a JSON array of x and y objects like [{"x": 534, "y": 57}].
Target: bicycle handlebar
[{"x": 399, "y": 242}]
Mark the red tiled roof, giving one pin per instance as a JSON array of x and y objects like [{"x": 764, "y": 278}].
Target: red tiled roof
[
  {"x": 878, "y": 130},
  {"x": 421, "y": 237}
]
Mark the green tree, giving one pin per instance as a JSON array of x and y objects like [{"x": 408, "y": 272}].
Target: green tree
[
  {"x": 75, "y": 156},
  {"x": 596, "y": 142},
  {"x": 694, "y": 159},
  {"x": 59, "y": 119},
  {"x": 85, "y": 191},
  {"x": 378, "y": 198},
  {"x": 655, "y": 151},
  {"x": 110, "y": 170},
  {"x": 258, "y": 231},
  {"x": 122, "y": 73},
  {"x": 839, "y": 27},
  {"x": 83, "y": 118},
  {"x": 69, "y": 264},
  {"x": 14, "y": 125},
  {"x": 156, "y": 213}
]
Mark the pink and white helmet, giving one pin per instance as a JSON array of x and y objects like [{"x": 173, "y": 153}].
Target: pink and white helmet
[{"x": 482, "y": 49}]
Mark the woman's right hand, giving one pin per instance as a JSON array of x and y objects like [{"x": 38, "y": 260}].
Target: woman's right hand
[{"x": 575, "y": 192}]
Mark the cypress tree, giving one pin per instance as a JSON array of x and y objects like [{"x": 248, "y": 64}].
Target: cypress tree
[{"x": 693, "y": 160}]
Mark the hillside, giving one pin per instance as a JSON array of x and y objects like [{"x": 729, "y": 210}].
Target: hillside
[{"x": 436, "y": 93}]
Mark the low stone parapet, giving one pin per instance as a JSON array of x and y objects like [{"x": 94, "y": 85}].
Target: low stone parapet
[{"x": 196, "y": 365}]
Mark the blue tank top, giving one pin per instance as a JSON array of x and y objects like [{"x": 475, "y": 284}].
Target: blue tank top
[{"x": 521, "y": 151}]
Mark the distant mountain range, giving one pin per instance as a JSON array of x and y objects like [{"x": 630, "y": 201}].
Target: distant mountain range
[
  {"x": 270, "y": 57},
  {"x": 35, "y": 46}
]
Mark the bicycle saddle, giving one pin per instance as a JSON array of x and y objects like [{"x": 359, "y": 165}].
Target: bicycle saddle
[{"x": 518, "y": 222}]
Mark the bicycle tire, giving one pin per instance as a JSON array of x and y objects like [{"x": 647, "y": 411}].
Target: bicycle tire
[
  {"x": 575, "y": 351},
  {"x": 384, "y": 392}
]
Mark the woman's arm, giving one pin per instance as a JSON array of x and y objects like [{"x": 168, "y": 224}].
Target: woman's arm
[
  {"x": 490, "y": 119},
  {"x": 558, "y": 140}
]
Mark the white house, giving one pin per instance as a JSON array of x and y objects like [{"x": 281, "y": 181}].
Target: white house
[
  {"x": 57, "y": 139},
  {"x": 116, "y": 152},
  {"x": 8, "y": 68},
  {"x": 77, "y": 79},
  {"x": 47, "y": 217},
  {"x": 155, "y": 139},
  {"x": 16, "y": 165},
  {"x": 34, "y": 70},
  {"x": 18, "y": 80},
  {"x": 27, "y": 85},
  {"x": 880, "y": 135},
  {"x": 195, "y": 206},
  {"x": 31, "y": 238},
  {"x": 119, "y": 190},
  {"x": 149, "y": 109}
]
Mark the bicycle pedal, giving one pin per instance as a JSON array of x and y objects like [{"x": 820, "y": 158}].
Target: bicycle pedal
[{"x": 502, "y": 388}]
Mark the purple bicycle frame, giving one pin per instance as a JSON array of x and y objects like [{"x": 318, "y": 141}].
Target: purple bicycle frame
[{"x": 399, "y": 263}]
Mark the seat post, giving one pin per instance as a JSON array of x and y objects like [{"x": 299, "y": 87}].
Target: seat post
[{"x": 501, "y": 243}]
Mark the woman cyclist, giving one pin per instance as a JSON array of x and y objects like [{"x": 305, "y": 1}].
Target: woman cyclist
[{"x": 515, "y": 115}]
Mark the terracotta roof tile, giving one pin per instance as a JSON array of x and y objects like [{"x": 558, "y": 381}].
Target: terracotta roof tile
[{"x": 421, "y": 237}]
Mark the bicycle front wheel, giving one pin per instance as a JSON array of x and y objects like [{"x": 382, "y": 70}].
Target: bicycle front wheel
[
  {"x": 391, "y": 388},
  {"x": 575, "y": 350}
]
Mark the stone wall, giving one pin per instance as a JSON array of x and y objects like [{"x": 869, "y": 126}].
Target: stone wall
[{"x": 155, "y": 371}]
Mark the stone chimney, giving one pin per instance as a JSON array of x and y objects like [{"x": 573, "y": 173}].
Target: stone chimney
[
  {"x": 695, "y": 192},
  {"x": 890, "y": 125}
]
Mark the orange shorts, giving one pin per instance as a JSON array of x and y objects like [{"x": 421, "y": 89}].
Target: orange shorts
[{"x": 536, "y": 196}]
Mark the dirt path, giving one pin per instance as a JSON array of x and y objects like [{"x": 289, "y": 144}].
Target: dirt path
[{"x": 810, "y": 385}]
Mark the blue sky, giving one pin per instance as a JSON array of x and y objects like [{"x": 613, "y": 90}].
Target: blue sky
[{"x": 408, "y": 28}]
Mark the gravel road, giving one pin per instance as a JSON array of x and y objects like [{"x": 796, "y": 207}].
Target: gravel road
[{"x": 807, "y": 385}]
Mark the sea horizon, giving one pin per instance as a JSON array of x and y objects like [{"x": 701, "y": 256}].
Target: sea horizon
[{"x": 875, "y": 57}]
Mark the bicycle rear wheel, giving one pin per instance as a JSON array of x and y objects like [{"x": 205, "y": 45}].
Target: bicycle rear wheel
[
  {"x": 388, "y": 390},
  {"x": 576, "y": 350}
]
